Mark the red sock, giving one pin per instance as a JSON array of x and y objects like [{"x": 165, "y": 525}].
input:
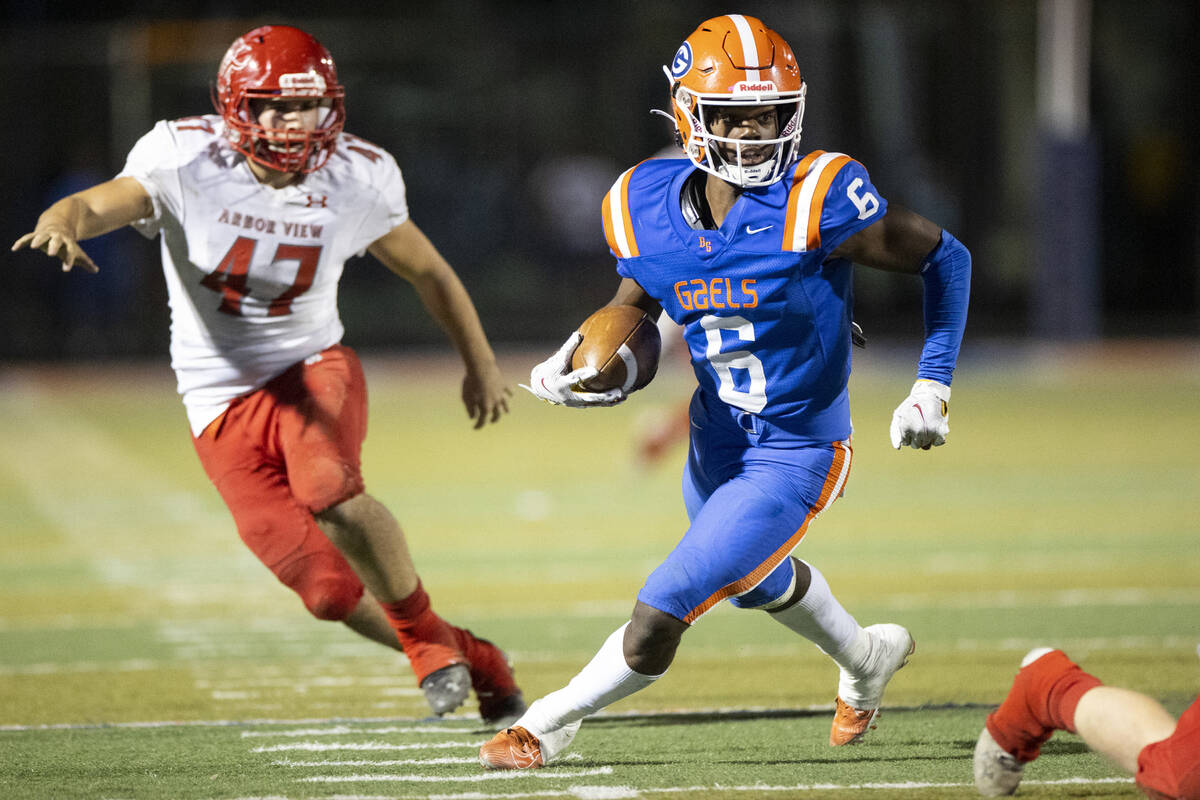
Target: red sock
[
  {"x": 1171, "y": 768},
  {"x": 428, "y": 640},
  {"x": 490, "y": 671},
  {"x": 1042, "y": 700},
  {"x": 491, "y": 676}
]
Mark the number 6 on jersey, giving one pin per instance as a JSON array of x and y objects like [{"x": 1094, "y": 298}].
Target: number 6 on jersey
[{"x": 754, "y": 398}]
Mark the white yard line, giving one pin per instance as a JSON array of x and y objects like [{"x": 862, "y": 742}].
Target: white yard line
[
  {"x": 813, "y": 787},
  {"x": 482, "y": 777},
  {"x": 363, "y": 762},
  {"x": 583, "y": 792},
  {"x": 398, "y": 762},
  {"x": 346, "y": 730},
  {"x": 629, "y": 793},
  {"x": 319, "y": 747},
  {"x": 240, "y": 723}
]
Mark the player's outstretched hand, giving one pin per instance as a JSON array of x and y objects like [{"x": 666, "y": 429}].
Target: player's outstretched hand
[
  {"x": 551, "y": 381},
  {"x": 57, "y": 243},
  {"x": 485, "y": 394},
  {"x": 923, "y": 419}
]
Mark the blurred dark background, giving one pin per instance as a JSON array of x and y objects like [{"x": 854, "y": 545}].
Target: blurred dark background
[{"x": 1056, "y": 138}]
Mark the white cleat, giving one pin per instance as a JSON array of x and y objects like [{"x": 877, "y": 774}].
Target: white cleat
[
  {"x": 997, "y": 772},
  {"x": 861, "y": 693}
]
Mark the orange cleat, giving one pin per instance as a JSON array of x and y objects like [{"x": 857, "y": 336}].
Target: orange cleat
[
  {"x": 850, "y": 724},
  {"x": 512, "y": 748},
  {"x": 860, "y": 693}
]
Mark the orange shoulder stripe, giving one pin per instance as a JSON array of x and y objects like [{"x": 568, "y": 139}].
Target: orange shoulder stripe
[
  {"x": 818, "y": 200},
  {"x": 806, "y": 200},
  {"x": 801, "y": 171},
  {"x": 618, "y": 224}
]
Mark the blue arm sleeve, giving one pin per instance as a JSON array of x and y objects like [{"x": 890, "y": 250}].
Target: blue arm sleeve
[{"x": 947, "y": 277}]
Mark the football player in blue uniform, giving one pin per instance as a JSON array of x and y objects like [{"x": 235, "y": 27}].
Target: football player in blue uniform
[{"x": 748, "y": 245}]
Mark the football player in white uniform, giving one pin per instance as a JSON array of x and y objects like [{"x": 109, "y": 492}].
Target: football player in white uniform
[{"x": 258, "y": 208}]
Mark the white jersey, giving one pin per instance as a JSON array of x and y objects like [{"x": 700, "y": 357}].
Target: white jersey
[{"x": 252, "y": 272}]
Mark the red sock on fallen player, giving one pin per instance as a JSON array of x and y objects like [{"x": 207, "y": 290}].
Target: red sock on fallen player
[
  {"x": 491, "y": 674},
  {"x": 1042, "y": 700},
  {"x": 428, "y": 640},
  {"x": 1171, "y": 768}
]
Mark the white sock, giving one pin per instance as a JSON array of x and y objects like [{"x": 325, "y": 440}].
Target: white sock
[
  {"x": 820, "y": 618},
  {"x": 605, "y": 680}
]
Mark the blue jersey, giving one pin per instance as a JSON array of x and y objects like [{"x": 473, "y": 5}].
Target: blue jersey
[{"x": 765, "y": 311}]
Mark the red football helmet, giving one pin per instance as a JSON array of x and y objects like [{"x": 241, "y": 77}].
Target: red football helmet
[
  {"x": 735, "y": 60},
  {"x": 273, "y": 62}
]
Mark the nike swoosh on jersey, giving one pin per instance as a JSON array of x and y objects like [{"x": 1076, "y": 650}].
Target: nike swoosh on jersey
[{"x": 753, "y": 231}]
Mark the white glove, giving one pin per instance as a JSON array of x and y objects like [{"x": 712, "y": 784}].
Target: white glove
[
  {"x": 551, "y": 381},
  {"x": 923, "y": 419}
]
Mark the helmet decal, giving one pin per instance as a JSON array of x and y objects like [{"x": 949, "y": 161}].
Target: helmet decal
[
  {"x": 236, "y": 57},
  {"x": 758, "y": 87},
  {"x": 682, "y": 61},
  {"x": 302, "y": 84}
]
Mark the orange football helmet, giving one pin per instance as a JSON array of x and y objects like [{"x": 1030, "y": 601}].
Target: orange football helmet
[
  {"x": 735, "y": 60},
  {"x": 273, "y": 62}
]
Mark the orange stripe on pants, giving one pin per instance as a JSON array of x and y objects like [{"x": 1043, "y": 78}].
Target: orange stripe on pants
[{"x": 842, "y": 456}]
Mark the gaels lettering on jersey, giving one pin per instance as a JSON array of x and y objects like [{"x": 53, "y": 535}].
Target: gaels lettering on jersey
[
  {"x": 298, "y": 230},
  {"x": 701, "y": 294}
]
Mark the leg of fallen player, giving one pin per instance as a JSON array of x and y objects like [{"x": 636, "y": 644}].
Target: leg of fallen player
[{"x": 1051, "y": 693}]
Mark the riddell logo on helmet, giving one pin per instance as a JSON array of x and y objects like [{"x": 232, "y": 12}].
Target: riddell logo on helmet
[
  {"x": 745, "y": 87},
  {"x": 302, "y": 83}
]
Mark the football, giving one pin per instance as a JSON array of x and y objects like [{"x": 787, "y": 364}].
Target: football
[{"x": 623, "y": 343}]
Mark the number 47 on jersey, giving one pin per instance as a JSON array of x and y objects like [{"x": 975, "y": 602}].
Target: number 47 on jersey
[{"x": 229, "y": 278}]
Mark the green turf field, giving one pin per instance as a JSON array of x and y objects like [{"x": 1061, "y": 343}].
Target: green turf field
[{"x": 145, "y": 654}]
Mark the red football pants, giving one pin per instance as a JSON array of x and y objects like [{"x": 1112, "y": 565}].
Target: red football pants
[{"x": 285, "y": 452}]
